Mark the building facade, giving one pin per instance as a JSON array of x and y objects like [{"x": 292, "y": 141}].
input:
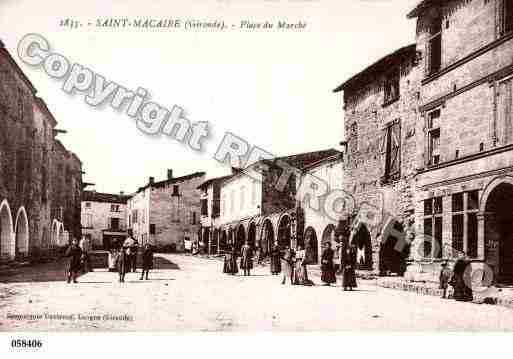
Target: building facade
[
  {"x": 166, "y": 214},
  {"x": 104, "y": 218},
  {"x": 382, "y": 130},
  {"x": 255, "y": 208},
  {"x": 465, "y": 182},
  {"x": 30, "y": 156}
]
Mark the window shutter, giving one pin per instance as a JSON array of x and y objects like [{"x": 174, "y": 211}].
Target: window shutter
[
  {"x": 383, "y": 150},
  {"x": 395, "y": 148},
  {"x": 427, "y": 57},
  {"x": 499, "y": 17}
]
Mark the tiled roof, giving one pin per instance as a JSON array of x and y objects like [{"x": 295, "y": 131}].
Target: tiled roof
[
  {"x": 214, "y": 180},
  {"x": 379, "y": 66},
  {"x": 304, "y": 160},
  {"x": 93, "y": 196},
  {"x": 171, "y": 181}
]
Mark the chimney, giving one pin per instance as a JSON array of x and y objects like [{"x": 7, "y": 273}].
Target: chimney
[
  {"x": 121, "y": 193},
  {"x": 152, "y": 180},
  {"x": 235, "y": 170},
  {"x": 169, "y": 174}
]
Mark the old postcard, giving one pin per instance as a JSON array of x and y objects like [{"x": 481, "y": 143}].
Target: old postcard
[{"x": 255, "y": 166}]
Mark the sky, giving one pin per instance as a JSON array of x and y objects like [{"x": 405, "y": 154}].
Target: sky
[{"x": 272, "y": 88}]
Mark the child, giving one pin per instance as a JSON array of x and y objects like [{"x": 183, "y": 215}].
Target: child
[{"x": 445, "y": 275}]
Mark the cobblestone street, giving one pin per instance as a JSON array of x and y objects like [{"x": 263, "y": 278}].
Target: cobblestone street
[{"x": 193, "y": 294}]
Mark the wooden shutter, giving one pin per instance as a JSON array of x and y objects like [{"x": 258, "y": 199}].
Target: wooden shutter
[
  {"x": 383, "y": 151},
  {"x": 504, "y": 113},
  {"x": 395, "y": 148}
]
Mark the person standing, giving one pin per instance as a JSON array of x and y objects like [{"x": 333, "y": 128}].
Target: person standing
[
  {"x": 230, "y": 265},
  {"x": 74, "y": 253},
  {"x": 461, "y": 281},
  {"x": 327, "y": 267},
  {"x": 287, "y": 261},
  {"x": 445, "y": 276},
  {"x": 113, "y": 258},
  {"x": 246, "y": 259},
  {"x": 258, "y": 255},
  {"x": 134, "y": 249},
  {"x": 349, "y": 264},
  {"x": 300, "y": 271},
  {"x": 123, "y": 263},
  {"x": 147, "y": 260},
  {"x": 85, "y": 246},
  {"x": 275, "y": 260}
]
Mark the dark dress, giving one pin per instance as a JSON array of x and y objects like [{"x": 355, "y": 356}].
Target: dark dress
[
  {"x": 147, "y": 259},
  {"x": 230, "y": 263},
  {"x": 348, "y": 269},
  {"x": 123, "y": 263},
  {"x": 275, "y": 261},
  {"x": 462, "y": 292},
  {"x": 74, "y": 253},
  {"x": 327, "y": 267},
  {"x": 246, "y": 259}
]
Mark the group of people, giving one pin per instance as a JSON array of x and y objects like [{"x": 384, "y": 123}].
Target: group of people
[
  {"x": 122, "y": 259},
  {"x": 292, "y": 264},
  {"x": 459, "y": 278}
]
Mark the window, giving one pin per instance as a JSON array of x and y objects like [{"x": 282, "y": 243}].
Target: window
[
  {"x": 507, "y": 16},
  {"x": 114, "y": 224},
  {"x": 88, "y": 205},
  {"x": 153, "y": 229},
  {"x": 88, "y": 220},
  {"x": 175, "y": 209},
  {"x": 392, "y": 151},
  {"x": 204, "y": 207},
  {"x": 176, "y": 190},
  {"x": 434, "y": 48},
  {"x": 392, "y": 85},
  {"x": 354, "y": 137},
  {"x": 464, "y": 222},
  {"x": 193, "y": 218},
  {"x": 433, "y": 133},
  {"x": 433, "y": 209},
  {"x": 20, "y": 170},
  {"x": 134, "y": 216},
  {"x": 114, "y": 207},
  {"x": 504, "y": 113}
]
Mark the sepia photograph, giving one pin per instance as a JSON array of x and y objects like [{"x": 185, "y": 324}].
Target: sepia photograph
[{"x": 255, "y": 166}]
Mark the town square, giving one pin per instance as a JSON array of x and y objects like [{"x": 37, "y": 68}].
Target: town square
[{"x": 389, "y": 208}]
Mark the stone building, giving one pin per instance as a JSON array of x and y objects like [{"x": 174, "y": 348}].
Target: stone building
[
  {"x": 465, "y": 178},
  {"x": 166, "y": 214},
  {"x": 382, "y": 131},
  {"x": 30, "y": 190},
  {"x": 104, "y": 218},
  {"x": 255, "y": 208}
]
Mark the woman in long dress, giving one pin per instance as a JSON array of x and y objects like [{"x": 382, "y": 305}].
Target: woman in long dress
[
  {"x": 275, "y": 260},
  {"x": 300, "y": 271},
  {"x": 287, "y": 260},
  {"x": 230, "y": 266},
  {"x": 348, "y": 268},
  {"x": 327, "y": 267}
]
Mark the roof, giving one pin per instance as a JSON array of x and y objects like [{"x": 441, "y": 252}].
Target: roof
[
  {"x": 302, "y": 161},
  {"x": 93, "y": 196},
  {"x": 171, "y": 181},
  {"x": 214, "y": 180},
  {"x": 421, "y": 6},
  {"x": 18, "y": 70},
  {"x": 41, "y": 104},
  {"x": 379, "y": 66}
]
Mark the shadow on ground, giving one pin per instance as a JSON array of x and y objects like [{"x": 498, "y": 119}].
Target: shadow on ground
[{"x": 45, "y": 272}]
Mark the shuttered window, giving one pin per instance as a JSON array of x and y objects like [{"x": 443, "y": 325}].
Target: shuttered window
[
  {"x": 391, "y": 148},
  {"x": 434, "y": 48},
  {"x": 504, "y": 115}
]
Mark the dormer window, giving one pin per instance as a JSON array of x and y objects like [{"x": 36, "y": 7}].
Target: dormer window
[{"x": 392, "y": 86}]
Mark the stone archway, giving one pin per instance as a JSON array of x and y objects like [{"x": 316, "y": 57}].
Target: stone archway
[
  {"x": 393, "y": 248},
  {"x": 21, "y": 231},
  {"x": 268, "y": 239},
  {"x": 311, "y": 246},
  {"x": 497, "y": 200},
  {"x": 284, "y": 232},
  {"x": 328, "y": 236},
  {"x": 7, "y": 244},
  {"x": 362, "y": 240}
]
